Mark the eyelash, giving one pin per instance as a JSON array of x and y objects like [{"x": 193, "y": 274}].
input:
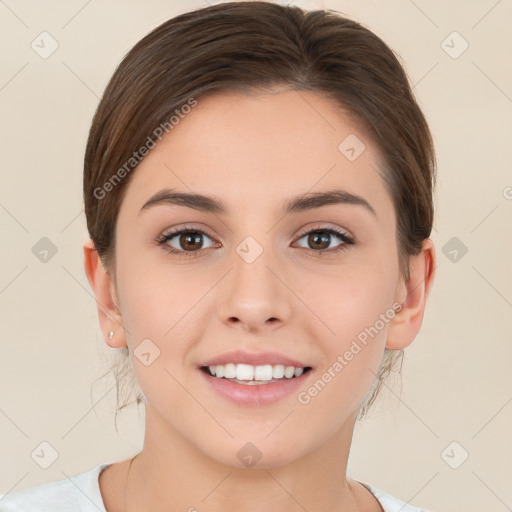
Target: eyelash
[{"x": 347, "y": 240}]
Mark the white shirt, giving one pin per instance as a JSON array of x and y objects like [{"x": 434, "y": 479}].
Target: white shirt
[{"x": 82, "y": 494}]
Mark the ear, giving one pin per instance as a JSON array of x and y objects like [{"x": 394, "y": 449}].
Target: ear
[
  {"x": 103, "y": 287},
  {"x": 412, "y": 294}
]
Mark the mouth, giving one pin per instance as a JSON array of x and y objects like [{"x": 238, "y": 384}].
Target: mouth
[
  {"x": 250, "y": 375},
  {"x": 255, "y": 386}
]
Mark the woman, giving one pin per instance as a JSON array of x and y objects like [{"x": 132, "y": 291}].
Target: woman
[{"x": 258, "y": 191}]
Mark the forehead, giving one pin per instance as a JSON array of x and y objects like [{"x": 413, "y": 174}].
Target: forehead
[{"x": 262, "y": 147}]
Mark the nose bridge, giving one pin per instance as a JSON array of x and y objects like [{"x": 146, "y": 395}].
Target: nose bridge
[
  {"x": 253, "y": 278},
  {"x": 255, "y": 296}
]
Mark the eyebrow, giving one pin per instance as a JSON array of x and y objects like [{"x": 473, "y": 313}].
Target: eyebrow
[{"x": 298, "y": 204}]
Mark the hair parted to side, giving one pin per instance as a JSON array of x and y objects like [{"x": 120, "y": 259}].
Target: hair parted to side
[{"x": 256, "y": 46}]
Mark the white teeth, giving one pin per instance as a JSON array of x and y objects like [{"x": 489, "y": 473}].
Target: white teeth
[
  {"x": 230, "y": 371},
  {"x": 289, "y": 372},
  {"x": 247, "y": 372},
  {"x": 278, "y": 371},
  {"x": 263, "y": 372},
  {"x": 243, "y": 371}
]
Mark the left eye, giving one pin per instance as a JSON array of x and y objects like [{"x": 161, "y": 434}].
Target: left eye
[{"x": 322, "y": 236}]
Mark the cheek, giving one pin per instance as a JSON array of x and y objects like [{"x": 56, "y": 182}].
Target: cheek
[
  {"x": 160, "y": 298},
  {"x": 353, "y": 298},
  {"x": 358, "y": 310},
  {"x": 355, "y": 310}
]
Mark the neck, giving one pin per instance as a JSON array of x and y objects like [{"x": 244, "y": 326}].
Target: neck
[{"x": 172, "y": 474}]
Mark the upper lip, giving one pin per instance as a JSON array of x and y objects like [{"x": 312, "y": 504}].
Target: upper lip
[{"x": 253, "y": 358}]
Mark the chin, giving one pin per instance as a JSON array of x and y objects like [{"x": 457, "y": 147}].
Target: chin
[{"x": 258, "y": 454}]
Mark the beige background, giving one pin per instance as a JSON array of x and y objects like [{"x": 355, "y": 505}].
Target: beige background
[{"x": 456, "y": 375}]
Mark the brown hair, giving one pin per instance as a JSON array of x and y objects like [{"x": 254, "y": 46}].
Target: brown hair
[{"x": 243, "y": 46}]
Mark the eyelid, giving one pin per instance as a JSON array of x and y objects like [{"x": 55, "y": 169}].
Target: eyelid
[
  {"x": 326, "y": 227},
  {"x": 183, "y": 227}
]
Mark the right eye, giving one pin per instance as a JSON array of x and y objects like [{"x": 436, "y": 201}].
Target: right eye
[{"x": 187, "y": 241}]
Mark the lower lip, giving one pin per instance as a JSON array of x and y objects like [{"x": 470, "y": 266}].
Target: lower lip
[{"x": 255, "y": 395}]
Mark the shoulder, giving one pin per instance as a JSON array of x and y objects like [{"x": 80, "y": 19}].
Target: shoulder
[
  {"x": 390, "y": 503},
  {"x": 80, "y": 493}
]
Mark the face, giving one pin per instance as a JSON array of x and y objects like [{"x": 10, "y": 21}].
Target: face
[{"x": 251, "y": 281}]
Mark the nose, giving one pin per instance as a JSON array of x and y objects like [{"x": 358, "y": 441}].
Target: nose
[{"x": 255, "y": 295}]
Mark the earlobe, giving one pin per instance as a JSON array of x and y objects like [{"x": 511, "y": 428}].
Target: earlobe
[
  {"x": 412, "y": 294},
  {"x": 103, "y": 288}
]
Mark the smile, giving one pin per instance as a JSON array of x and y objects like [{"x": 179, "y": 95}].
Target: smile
[
  {"x": 255, "y": 386},
  {"x": 254, "y": 375}
]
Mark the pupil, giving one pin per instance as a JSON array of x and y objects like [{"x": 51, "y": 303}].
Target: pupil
[
  {"x": 190, "y": 239},
  {"x": 319, "y": 238}
]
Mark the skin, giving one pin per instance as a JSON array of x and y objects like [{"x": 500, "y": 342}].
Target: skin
[{"x": 253, "y": 152}]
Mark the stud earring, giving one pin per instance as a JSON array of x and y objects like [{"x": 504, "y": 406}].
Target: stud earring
[{"x": 111, "y": 334}]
